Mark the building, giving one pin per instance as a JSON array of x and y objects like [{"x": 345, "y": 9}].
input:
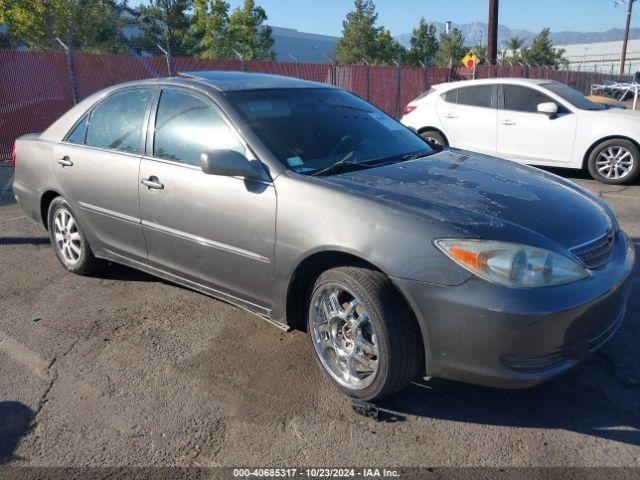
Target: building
[
  {"x": 305, "y": 47},
  {"x": 602, "y": 57}
]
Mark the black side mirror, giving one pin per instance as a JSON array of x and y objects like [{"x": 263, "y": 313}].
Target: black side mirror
[{"x": 230, "y": 163}]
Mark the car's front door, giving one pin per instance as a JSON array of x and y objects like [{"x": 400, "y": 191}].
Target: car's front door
[
  {"x": 527, "y": 136},
  {"x": 469, "y": 116},
  {"x": 216, "y": 231},
  {"x": 97, "y": 166}
]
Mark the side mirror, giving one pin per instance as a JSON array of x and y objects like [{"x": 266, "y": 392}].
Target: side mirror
[
  {"x": 229, "y": 163},
  {"x": 549, "y": 108}
]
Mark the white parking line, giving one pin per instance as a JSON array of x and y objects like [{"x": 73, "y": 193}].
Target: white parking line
[{"x": 22, "y": 355}]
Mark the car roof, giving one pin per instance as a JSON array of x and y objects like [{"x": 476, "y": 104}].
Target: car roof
[
  {"x": 225, "y": 81},
  {"x": 493, "y": 81}
]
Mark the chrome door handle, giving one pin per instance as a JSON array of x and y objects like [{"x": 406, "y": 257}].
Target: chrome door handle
[
  {"x": 508, "y": 123},
  {"x": 65, "y": 161},
  {"x": 152, "y": 182},
  {"x": 450, "y": 115}
]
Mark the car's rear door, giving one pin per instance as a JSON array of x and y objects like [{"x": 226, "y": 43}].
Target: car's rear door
[
  {"x": 525, "y": 135},
  {"x": 97, "y": 166},
  {"x": 469, "y": 116},
  {"x": 216, "y": 231}
]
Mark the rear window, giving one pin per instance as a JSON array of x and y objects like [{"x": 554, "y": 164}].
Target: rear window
[
  {"x": 480, "y": 96},
  {"x": 116, "y": 123}
]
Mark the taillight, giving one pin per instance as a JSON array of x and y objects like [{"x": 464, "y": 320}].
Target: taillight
[
  {"x": 13, "y": 156},
  {"x": 408, "y": 109}
]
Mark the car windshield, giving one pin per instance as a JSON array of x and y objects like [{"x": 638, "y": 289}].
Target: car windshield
[
  {"x": 311, "y": 130},
  {"x": 574, "y": 97}
]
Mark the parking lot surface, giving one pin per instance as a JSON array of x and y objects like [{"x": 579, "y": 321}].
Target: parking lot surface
[{"x": 121, "y": 368}]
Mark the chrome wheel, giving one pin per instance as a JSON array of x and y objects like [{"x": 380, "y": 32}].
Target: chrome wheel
[
  {"x": 344, "y": 337},
  {"x": 614, "y": 162},
  {"x": 433, "y": 141},
  {"x": 67, "y": 237}
]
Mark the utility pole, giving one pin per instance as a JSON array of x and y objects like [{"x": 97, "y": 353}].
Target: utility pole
[
  {"x": 492, "y": 38},
  {"x": 623, "y": 59}
]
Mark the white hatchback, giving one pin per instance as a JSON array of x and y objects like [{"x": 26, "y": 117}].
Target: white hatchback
[{"x": 538, "y": 122}]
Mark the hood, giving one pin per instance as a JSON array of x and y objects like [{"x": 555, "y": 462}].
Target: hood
[{"x": 485, "y": 197}]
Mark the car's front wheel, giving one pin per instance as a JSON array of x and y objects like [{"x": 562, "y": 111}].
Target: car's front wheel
[
  {"x": 435, "y": 139},
  {"x": 363, "y": 335},
  {"x": 68, "y": 240},
  {"x": 615, "y": 162}
]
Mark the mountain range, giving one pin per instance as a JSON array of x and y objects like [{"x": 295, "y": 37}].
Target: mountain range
[{"x": 476, "y": 33}]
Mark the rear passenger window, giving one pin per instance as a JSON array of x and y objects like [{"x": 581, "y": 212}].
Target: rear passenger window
[
  {"x": 116, "y": 123},
  {"x": 523, "y": 99},
  {"x": 451, "y": 96},
  {"x": 187, "y": 126},
  {"x": 480, "y": 96},
  {"x": 77, "y": 134}
]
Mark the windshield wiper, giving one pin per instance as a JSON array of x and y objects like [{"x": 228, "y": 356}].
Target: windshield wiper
[
  {"x": 415, "y": 156},
  {"x": 346, "y": 160}
]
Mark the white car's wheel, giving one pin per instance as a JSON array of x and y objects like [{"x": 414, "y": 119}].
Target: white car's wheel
[
  {"x": 434, "y": 138},
  {"x": 615, "y": 162}
]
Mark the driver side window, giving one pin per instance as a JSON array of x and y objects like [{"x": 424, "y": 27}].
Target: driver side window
[
  {"x": 524, "y": 99},
  {"x": 187, "y": 126}
]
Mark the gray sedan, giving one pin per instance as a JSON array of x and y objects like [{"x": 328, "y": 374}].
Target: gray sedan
[{"x": 313, "y": 209}]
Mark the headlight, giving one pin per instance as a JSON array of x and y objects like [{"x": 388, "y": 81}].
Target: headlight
[{"x": 512, "y": 264}]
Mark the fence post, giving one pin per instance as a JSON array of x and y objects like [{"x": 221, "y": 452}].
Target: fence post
[
  {"x": 368, "y": 80},
  {"x": 425, "y": 76},
  {"x": 71, "y": 66},
  {"x": 297, "y": 65},
  {"x": 398, "y": 88},
  {"x": 167, "y": 56}
]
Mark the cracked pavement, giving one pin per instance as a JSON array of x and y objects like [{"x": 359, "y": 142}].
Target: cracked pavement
[{"x": 124, "y": 369}]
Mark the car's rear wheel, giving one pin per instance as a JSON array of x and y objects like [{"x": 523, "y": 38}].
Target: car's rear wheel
[
  {"x": 615, "y": 162},
  {"x": 363, "y": 335},
  {"x": 434, "y": 138},
  {"x": 68, "y": 240}
]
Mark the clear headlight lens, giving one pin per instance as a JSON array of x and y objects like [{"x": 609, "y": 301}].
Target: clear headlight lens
[{"x": 512, "y": 264}]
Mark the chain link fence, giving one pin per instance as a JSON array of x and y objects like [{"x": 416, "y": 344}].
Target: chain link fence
[{"x": 38, "y": 87}]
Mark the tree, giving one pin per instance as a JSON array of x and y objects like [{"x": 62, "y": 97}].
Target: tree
[
  {"x": 166, "y": 23},
  {"x": 451, "y": 50},
  {"x": 359, "y": 33},
  {"x": 481, "y": 53},
  {"x": 542, "y": 53},
  {"x": 388, "y": 50},
  {"x": 424, "y": 44},
  {"x": 515, "y": 48},
  {"x": 93, "y": 25},
  {"x": 222, "y": 34},
  {"x": 248, "y": 33},
  {"x": 211, "y": 22},
  {"x": 363, "y": 41}
]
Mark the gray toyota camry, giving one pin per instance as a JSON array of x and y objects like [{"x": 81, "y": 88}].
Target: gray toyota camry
[{"x": 311, "y": 208}]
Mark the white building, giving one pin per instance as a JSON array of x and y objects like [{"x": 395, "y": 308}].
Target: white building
[{"x": 602, "y": 57}]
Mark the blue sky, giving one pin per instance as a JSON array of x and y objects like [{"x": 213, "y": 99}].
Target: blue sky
[{"x": 400, "y": 16}]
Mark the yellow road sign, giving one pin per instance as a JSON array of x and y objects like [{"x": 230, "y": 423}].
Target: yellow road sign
[{"x": 470, "y": 60}]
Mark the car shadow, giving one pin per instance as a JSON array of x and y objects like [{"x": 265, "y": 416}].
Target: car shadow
[
  {"x": 573, "y": 174},
  {"x": 24, "y": 240},
  {"x": 15, "y": 422},
  {"x": 115, "y": 271},
  {"x": 600, "y": 397}
]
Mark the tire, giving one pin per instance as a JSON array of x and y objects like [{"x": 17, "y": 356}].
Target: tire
[
  {"x": 68, "y": 240},
  {"x": 385, "y": 323},
  {"x": 434, "y": 139},
  {"x": 618, "y": 150}
]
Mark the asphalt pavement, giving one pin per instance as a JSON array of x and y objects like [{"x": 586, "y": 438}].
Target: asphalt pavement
[{"x": 121, "y": 368}]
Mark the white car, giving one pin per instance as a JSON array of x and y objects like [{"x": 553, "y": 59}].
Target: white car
[{"x": 538, "y": 122}]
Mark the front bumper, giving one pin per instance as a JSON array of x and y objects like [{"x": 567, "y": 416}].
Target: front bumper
[{"x": 502, "y": 337}]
